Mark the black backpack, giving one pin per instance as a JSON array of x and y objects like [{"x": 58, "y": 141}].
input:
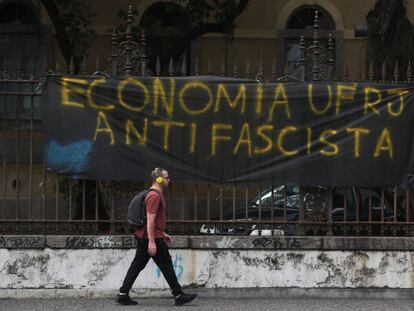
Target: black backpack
[{"x": 137, "y": 211}]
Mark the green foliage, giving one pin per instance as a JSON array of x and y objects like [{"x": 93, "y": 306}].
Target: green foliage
[
  {"x": 202, "y": 11},
  {"x": 77, "y": 15},
  {"x": 390, "y": 38},
  {"x": 172, "y": 26},
  {"x": 190, "y": 14}
]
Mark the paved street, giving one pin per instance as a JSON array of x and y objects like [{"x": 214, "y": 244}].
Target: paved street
[{"x": 210, "y": 304}]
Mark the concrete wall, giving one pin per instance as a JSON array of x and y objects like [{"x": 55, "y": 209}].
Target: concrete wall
[{"x": 99, "y": 263}]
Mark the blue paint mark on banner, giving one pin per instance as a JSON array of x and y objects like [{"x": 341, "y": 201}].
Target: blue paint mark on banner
[{"x": 72, "y": 157}]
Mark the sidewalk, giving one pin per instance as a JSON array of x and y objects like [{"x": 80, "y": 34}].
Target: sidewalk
[{"x": 210, "y": 304}]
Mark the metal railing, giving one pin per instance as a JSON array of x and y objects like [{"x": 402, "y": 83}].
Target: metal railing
[{"x": 36, "y": 201}]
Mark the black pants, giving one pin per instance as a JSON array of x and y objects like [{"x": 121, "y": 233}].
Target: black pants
[{"x": 163, "y": 260}]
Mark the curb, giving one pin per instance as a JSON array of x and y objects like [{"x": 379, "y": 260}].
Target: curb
[{"x": 220, "y": 293}]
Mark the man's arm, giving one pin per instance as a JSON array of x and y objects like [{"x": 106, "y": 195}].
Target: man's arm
[
  {"x": 152, "y": 247},
  {"x": 152, "y": 202}
]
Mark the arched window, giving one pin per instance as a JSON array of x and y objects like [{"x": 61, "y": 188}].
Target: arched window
[
  {"x": 20, "y": 35},
  {"x": 167, "y": 25},
  {"x": 25, "y": 46},
  {"x": 301, "y": 22},
  {"x": 165, "y": 15},
  {"x": 303, "y": 18},
  {"x": 18, "y": 13}
]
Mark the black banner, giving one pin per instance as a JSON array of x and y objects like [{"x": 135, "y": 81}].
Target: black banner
[{"x": 230, "y": 130}]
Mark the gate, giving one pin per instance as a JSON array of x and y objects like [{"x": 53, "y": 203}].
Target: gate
[{"x": 34, "y": 200}]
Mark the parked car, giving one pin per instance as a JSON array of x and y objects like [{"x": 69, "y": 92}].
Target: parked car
[{"x": 284, "y": 202}]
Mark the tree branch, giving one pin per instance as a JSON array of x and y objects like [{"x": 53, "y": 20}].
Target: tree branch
[{"x": 218, "y": 27}]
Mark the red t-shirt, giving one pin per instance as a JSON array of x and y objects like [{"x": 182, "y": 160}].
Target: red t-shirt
[{"x": 154, "y": 205}]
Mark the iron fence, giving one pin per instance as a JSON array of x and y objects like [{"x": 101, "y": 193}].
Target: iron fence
[{"x": 37, "y": 201}]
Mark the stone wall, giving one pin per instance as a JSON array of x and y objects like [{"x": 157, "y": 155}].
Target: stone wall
[{"x": 100, "y": 262}]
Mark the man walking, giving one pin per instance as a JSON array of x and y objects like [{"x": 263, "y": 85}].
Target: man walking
[{"x": 152, "y": 241}]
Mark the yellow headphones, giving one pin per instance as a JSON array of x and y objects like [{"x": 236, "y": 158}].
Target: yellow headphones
[{"x": 159, "y": 180}]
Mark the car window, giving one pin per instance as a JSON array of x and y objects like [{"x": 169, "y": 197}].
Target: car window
[{"x": 275, "y": 196}]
